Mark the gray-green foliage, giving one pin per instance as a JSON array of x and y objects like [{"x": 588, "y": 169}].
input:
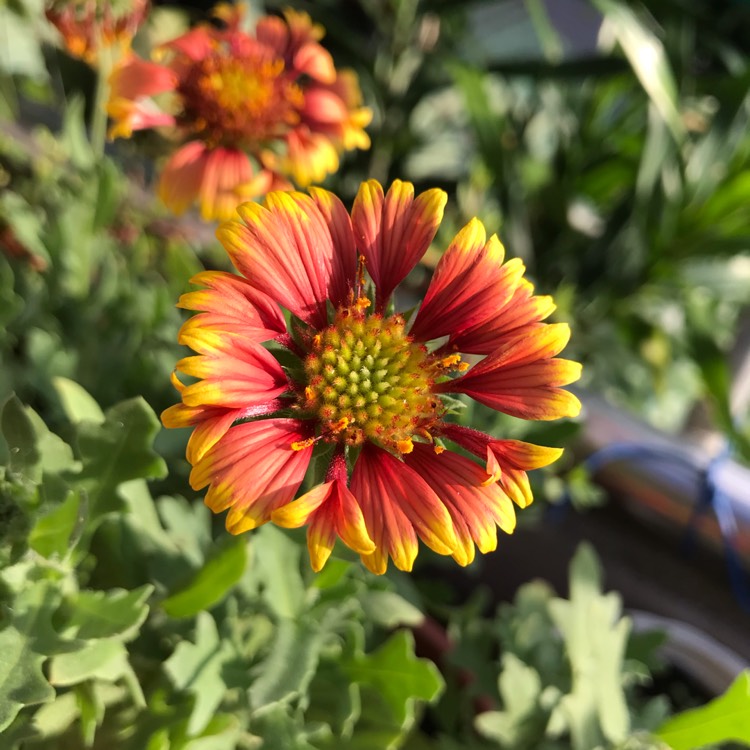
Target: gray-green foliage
[
  {"x": 124, "y": 624},
  {"x": 566, "y": 672}
]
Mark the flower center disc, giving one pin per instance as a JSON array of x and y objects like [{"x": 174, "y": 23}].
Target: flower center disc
[
  {"x": 239, "y": 96},
  {"x": 367, "y": 380}
]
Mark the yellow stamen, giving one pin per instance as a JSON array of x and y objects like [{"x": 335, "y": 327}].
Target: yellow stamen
[
  {"x": 300, "y": 445},
  {"x": 405, "y": 446}
]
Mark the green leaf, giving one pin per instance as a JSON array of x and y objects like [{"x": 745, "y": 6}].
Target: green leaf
[
  {"x": 108, "y": 614},
  {"x": 648, "y": 59},
  {"x": 118, "y": 450},
  {"x": 20, "y": 436},
  {"x": 595, "y": 638},
  {"x": 291, "y": 665},
  {"x": 22, "y": 681},
  {"x": 398, "y": 676},
  {"x": 77, "y": 404},
  {"x": 724, "y": 719},
  {"x": 52, "y": 531},
  {"x": 520, "y": 686},
  {"x": 197, "y": 669},
  {"x": 275, "y": 567},
  {"x": 212, "y": 582},
  {"x": 389, "y": 609},
  {"x": 105, "y": 660}
]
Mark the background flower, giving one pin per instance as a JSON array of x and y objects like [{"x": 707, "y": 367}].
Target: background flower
[
  {"x": 253, "y": 110},
  {"x": 362, "y": 386}
]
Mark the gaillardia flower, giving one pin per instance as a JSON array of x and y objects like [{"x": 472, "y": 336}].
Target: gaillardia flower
[
  {"x": 88, "y": 26},
  {"x": 359, "y": 387},
  {"x": 252, "y": 111}
]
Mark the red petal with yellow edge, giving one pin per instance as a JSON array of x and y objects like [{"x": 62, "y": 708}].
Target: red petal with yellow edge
[
  {"x": 232, "y": 308},
  {"x": 469, "y": 284},
  {"x": 331, "y": 510},
  {"x": 397, "y": 506},
  {"x": 507, "y": 460},
  {"x": 523, "y": 310},
  {"x": 393, "y": 231},
  {"x": 284, "y": 249},
  {"x": 230, "y": 295},
  {"x": 521, "y": 379},
  {"x": 211, "y": 423},
  {"x": 253, "y": 470},
  {"x": 241, "y": 374},
  {"x": 344, "y": 251},
  {"x": 459, "y": 483}
]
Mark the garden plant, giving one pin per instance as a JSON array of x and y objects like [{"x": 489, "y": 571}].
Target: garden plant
[{"x": 299, "y": 304}]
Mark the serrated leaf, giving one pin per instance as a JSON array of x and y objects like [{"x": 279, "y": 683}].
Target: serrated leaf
[
  {"x": 22, "y": 681},
  {"x": 595, "y": 639},
  {"x": 724, "y": 719},
  {"x": 213, "y": 581},
  {"x": 291, "y": 664},
  {"x": 78, "y": 404},
  {"x": 52, "y": 531},
  {"x": 117, "y": 451},
  {"x": 108, "y": 614},
  {"x": 398, "y": 675},
  {"x": 196, "y": 668}
]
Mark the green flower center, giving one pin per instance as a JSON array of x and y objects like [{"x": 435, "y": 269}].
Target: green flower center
[{"x": 367, "y": 380}]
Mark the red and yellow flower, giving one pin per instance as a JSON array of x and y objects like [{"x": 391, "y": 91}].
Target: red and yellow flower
[
  {"x": 253, "y": 111},
  {"x": 88, "y": 26},
  {"x": 361, "y": 386}
]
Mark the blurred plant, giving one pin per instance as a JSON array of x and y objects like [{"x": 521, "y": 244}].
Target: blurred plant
[
  {"x": 251, "y": 110},
  {"x": 126, "y": 625},
  {"x": 548, "y": 673},
  {"x": 88, "y": 272}
]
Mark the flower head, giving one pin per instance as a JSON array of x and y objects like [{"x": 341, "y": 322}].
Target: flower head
[
  {"x": 86, "y": 26},
  {"x": 252, "y": 110},
  {"x": 362, "y": 386}
]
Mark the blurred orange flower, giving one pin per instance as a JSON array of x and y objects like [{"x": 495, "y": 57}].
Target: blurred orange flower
[
  {"x": 86, "y": 26},
  {"x": 253, "y": 110}
]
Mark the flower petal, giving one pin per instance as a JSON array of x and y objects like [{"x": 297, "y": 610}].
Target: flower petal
[
  {"x": 331, "y": 510},
  {"x": 230, "y": 308},
  {"x": 522, "y": 379},
  {"x": 182, "y": 177},
  {"x": 523, "y": 310},
  {"x": 253, "y": 470},
  {"x": 397, "y": 506},
  {"x": 238, "y": 375},
  {"x": 393, "y": 231},
  {"x": 469, "y": 284},
  {"x": 476, "y": 508},
  {"x": 284, "y": 249},
  {"x": 135, "y": 78},
  {"x": 344, "y": 251},
  {"x": 507, "y": 460}
]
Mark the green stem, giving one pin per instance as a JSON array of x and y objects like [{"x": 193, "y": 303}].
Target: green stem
[{"x": 98, "y": 122}]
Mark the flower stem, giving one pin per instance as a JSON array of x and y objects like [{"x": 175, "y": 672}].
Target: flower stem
[{"x": 98, "y": 121}]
